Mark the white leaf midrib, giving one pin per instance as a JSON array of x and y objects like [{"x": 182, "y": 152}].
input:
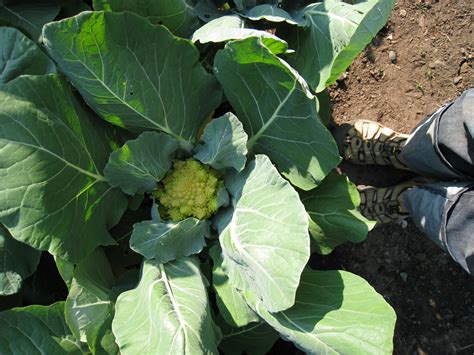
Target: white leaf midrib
[
  {"x": 184, "y": 142},
  {"x": 96, "y": 177},
  {"x": 19, "y": 16},
  {"x": 270, "y": 121},
  {"x": 182, "y": 323}
]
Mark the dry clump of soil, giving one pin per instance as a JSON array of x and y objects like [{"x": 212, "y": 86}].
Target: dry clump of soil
[
  {"x": 432, "y": 46},
  {"x": 420, "y": 60}
]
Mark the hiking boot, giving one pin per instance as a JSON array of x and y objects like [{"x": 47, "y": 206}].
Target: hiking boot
[
  {"x": 383, "y": 204},
  {"x": 370, "y": 143}
]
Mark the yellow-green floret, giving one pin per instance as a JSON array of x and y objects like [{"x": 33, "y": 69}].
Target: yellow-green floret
[{"x": 188, "y": 190}]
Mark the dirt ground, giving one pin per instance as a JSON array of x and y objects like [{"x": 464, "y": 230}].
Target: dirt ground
[{"x": 421, "y": 59}]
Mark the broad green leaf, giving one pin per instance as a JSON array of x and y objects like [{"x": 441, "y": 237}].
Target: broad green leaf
[
  {"x": 206, "y": 10},
  {"x": 222, "y": 197},
  {"x": 224, "y": 144},
  {"x": 278, "y": 112},
  {"x": 138, "y": 166},
  {"x": 66, "y": 270},
  {"x": 62, "y": 204},
  {"x": 135, "y": 201},
  {"x": 177, "y": 15},
  {"x": 233, "y": 27},
  {"x": 21, "y": 56},
  {"x": 333, "y": 215},
  {"x": 17, "y": 262},
  {"x": 36, "y": 329},
  {"x": 265, "y": 246},
  {"x": 134, "y": 74},
  {"x": 334, "y": 35},
  {"x": 243, "y": 4},
  {"x": 168, "y": 312},
  {"x": 336, "y": 312},
  {"x": 253, "y": 339},
  {"x": 101, "y": 340},
  {"x": 270, "y": 13},
  {"x": 165, "y": 240},
  {"x": 28, "y": 16},
  {"x": 232, "y": 305},
  {"x": 324, "y": 107},
  {"x": 248, "y": 4},
  {"x": 88, "y": 304}
]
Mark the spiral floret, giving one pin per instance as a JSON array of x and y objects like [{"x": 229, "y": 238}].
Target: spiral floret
[{"x": 190, "y": 189}]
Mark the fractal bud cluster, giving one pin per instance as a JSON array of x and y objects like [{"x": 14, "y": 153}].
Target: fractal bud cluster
[{"x": 190, "y": 189}]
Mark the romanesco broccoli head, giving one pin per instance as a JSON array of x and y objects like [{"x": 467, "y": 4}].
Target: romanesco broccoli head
[{"x": 189, "y": 189}]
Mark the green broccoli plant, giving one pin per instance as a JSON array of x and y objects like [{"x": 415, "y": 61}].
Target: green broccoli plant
[{"x": 175, "y": 233}]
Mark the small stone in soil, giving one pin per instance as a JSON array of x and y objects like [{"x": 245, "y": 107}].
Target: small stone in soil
[
  {"x": 403, "y": 12},
  {"x": 392, "y": 55},
  {"x": 404, "y": 276},
  {"x": 457, "y": 80}
]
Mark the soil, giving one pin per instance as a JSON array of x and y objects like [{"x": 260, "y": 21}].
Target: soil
[
  {"x": 432, "y": 42},
  {"x": 420, "y": 60}
]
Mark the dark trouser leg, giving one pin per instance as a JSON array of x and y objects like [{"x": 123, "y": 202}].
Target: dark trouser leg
[
  {"x": 445, "y": 213},
  {"x": 442, "y": 145}
]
